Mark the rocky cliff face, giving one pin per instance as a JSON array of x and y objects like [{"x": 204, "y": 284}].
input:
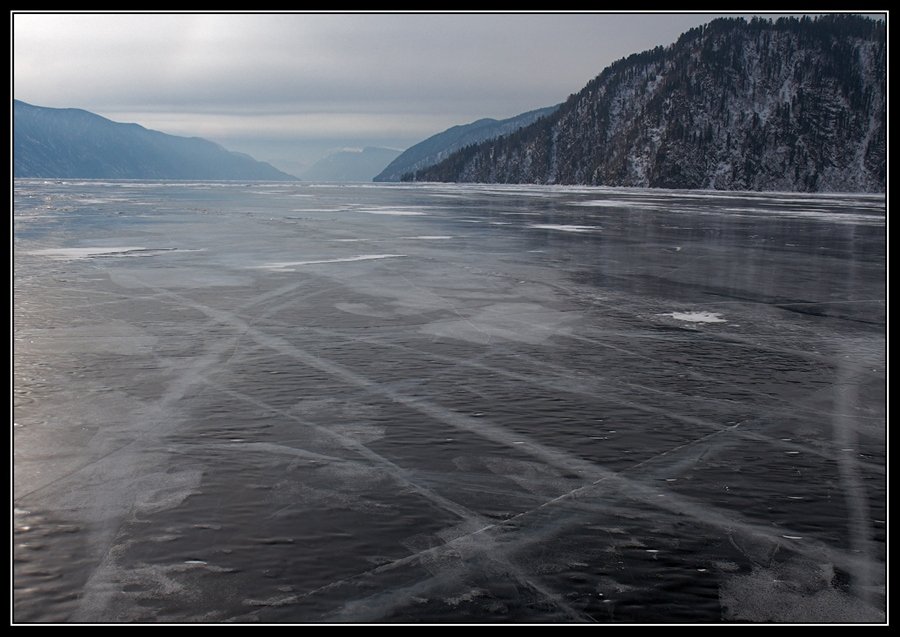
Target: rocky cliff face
[{"x": 792, "y": 105}]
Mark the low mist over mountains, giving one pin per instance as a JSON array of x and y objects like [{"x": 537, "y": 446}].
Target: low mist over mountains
[
  {"x": 350, "y": 165},
  {"x": 794, "y": 105},
  {"x": 438, "y": 147},
  {"x": 73, "y": 143}
]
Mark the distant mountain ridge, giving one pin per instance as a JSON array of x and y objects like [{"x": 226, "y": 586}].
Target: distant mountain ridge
[
  {"x": 440, "y": 146},
  {"x": 351, "y": 165},
  {"x": 793, "y": 105},
  {"x": 74, "y": 143}
]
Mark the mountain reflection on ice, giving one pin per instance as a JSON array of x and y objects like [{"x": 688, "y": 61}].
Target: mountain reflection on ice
[{"x": 252, "y": 403}]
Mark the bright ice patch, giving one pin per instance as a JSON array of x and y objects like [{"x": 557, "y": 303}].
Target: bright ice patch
[
  {"x": 519, "y": 322},
  {"x": 696, "y": 317},
  {"x": 562, "y": 227}
]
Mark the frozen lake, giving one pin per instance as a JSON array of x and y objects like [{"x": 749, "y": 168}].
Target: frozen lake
[{"x": 374, "y": 403}]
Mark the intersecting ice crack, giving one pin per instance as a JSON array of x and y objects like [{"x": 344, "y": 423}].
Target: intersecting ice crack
[{"x": 596, "y": 476}]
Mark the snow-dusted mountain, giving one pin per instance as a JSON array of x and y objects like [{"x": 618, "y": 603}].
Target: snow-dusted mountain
[
  {"x": 351, "y": 165},
  {"x": 794, "y": 105},
  {"x": 442, "y": 145},
  {"x": 73, "y": 143}
]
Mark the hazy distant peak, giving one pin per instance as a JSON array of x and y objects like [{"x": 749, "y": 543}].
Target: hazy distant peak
[
  {"x": 351, "y": 164},
  {"x": 75, "y": 143},
  {"x": 437, "y": 147}
]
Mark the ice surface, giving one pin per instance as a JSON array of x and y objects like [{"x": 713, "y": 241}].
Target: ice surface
[{"x": 261, "y": 424}]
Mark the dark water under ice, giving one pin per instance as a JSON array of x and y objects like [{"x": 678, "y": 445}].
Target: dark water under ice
[{"x": 298, "y": 403}]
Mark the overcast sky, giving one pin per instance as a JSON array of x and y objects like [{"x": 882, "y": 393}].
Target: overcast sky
[{"x": 288, "y": 88}]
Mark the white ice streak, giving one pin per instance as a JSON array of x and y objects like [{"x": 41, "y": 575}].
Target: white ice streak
[
  {"x": 93, "y": 252},
  {"x": 563, "y": 227},
  {"x": 696, "y": 317},
  {"x": 606, "y": 203},
  {"x": 818, "y": 214},
  {"x": 421, "y": 237},
  {"x": 318, "y": 209},
  {"x": 830, "y": 210},
  {"x": 286, "y": 266},
  {"x": 84, "y": 253},
  {"x": 394, "y": 213}
]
